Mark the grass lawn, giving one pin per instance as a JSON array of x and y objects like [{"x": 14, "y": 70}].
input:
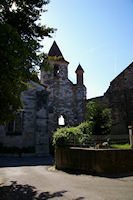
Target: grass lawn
[{"x": 120, "y": 146}]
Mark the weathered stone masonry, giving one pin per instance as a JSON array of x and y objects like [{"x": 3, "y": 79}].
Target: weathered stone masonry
[
  {"x": 57, "y": 96},
  {"x": 44, "y": 104},
  {"x": 65, "y": 98},
  {"x": 34, "y": 128},
  {"x": 119, "y": 98}
]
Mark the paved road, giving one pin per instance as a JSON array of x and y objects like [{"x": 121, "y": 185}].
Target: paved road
[{"x": 33, "y": 179}]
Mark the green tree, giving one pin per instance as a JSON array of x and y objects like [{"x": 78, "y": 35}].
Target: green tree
[
  {"x": 100, "y": 118},
  {"x": 20, "y": 36}
]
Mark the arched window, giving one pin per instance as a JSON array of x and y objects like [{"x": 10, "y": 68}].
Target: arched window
[
  {"x": 61, "y": 121},
  {"x": 56, "y": 70}
]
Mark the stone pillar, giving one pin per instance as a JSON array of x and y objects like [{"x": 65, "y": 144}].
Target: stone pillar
[{"x": 131, "y": 135}]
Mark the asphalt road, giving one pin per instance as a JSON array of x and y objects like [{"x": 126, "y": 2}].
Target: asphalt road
[{"x": 35, "y": 179}]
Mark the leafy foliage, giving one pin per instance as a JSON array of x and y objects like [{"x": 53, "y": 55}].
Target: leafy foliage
[
  {"x": 20, "y": 36},
  {"x": 98, "y": 122},
  {"x": 99, "y": 117},
  {"x": 77, "y": 135}
]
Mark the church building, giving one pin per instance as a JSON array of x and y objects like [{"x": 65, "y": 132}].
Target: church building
[
  {"x": 57, "y": 102},
  {"x": 66, "y": 100},
  {"x": 53, "y": 103}
]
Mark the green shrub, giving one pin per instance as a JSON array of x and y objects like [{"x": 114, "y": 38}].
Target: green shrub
[
  {"x": 78, "y": 135},
  {"x": 63, "y": 135},
  {"x": 86, "y": 127},
  {"x": 98, "y": 123},
  {"x": 99, "y": 117}
]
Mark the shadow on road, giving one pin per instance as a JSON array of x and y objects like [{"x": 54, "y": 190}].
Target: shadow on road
[
  {"x": 29, "y": 161},
  {"x": 25, "y": 192}
]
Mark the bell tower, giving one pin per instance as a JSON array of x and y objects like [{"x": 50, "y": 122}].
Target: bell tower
[
  {"x": 65, "y": 100},
  {"x": 59, "y": 66}
]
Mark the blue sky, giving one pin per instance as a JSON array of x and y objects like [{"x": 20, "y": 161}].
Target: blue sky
[{"x": 98, "y": 34}]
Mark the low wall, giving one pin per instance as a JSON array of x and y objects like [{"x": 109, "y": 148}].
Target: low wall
[{"x": 101, "y": 161}]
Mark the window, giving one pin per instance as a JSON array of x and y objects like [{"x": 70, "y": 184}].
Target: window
[
  {"x": 61, "y": 121},
  {"x": 15, "y": 127},
  {"x": 56, "y": 70}
]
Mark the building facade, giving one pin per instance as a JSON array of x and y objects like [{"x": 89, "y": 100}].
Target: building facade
[
  {"x": 29, "y": 129},
  {"x": 65, "y": 98},
  {"x": 56, "y": 98},
  {"x": 119, "y": 98},
  {"x": 45, "y": 104}
]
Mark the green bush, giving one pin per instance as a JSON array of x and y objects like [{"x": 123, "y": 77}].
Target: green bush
[
  {"x": 99, "y": 117},
  {"x": 86, "y": 127},
  {"x": 78, "y": 135},
  {"x": 98, "y": 123},
  {"x": 61, "y": 136}
]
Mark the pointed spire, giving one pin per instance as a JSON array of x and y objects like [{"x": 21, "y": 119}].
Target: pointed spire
[
  {"x": 55, "y": 51},
  {"x": 79, "y": 69}
]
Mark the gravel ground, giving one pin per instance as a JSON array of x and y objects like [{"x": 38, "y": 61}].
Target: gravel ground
[{"x": 35, "y": 179}]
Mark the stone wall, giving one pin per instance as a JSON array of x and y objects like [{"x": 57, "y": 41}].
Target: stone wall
[
  {"x": 34, "y": 129},
  {"x": 102, "y": 162},
  {"x": 65, "y": 98},
  {"x": 119, "y": 98}
]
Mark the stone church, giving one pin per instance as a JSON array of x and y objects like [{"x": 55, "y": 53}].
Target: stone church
[
  {"x": 56, "y": 97},
  {"x": 65, "y": 98},
  {"x": 44, "y": 104}
]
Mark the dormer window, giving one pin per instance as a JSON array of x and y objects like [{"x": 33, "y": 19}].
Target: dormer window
[{"x": 56, "y": 70}]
